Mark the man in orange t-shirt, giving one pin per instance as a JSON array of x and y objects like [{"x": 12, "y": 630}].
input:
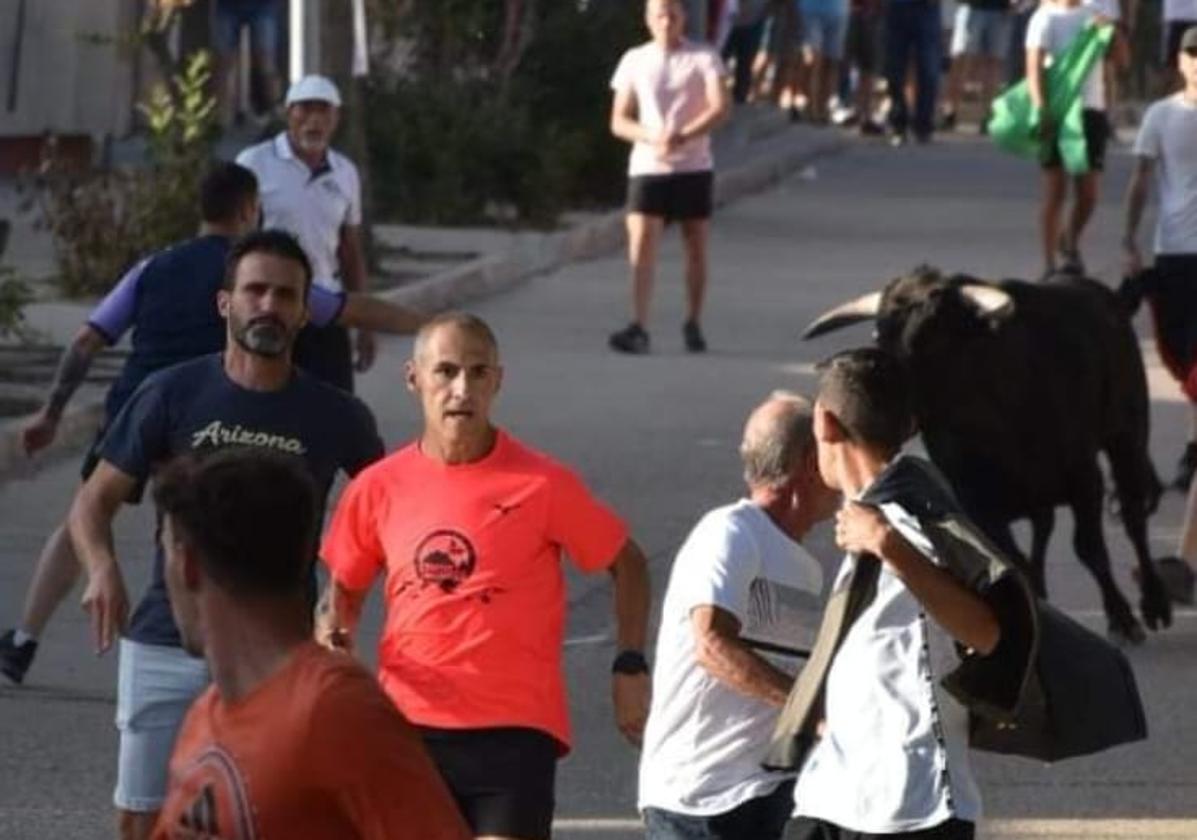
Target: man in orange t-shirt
[
  {"x": 468, "y": 526},
  {"x": 291, "y": 740}
]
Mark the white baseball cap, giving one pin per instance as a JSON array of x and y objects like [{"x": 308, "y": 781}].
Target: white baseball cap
[{"x": 316, "y": 88}]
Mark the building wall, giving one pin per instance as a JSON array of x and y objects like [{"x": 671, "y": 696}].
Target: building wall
[{"x": 65, "y": 83}]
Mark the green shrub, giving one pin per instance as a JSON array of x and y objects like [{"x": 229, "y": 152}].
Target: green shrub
[
  {"x": 15, "y": 294},
  {"x": 103, "y": 220},
  {"x": 455, "y": 139}
]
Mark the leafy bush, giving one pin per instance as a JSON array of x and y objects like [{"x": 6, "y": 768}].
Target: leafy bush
[
  {"x": 103, "y": 220},
  {"x": 14, "y": 295},
  {"x": 470, "y": 130}
]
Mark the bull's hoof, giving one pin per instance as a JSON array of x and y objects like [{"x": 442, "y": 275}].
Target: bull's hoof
[{"x": 1178, "y": 579}]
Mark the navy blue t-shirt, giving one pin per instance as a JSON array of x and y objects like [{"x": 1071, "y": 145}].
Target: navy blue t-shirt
[
  {"x": 169, "y": 301},
  {"x": 195, "y": 406}
]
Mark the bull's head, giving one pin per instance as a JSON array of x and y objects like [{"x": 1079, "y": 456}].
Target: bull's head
[{"x": 921, "y": 311}]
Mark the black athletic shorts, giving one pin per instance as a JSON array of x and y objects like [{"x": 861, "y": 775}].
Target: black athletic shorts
[
  {"x": 804, "y": 828},
  {"x": 1097, "y": 135},
  {"x": 1172, "y": 296},
  {"x": 326, "y": 353},
  {"x": 503, "y": 779},
  {"x": 677, "y": 197}
]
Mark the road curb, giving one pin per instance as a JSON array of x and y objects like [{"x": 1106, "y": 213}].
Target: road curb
[{"x": 479, "y": 278}]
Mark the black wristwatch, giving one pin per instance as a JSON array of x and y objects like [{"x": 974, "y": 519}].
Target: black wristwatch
[{"x": 630, "y": 662}]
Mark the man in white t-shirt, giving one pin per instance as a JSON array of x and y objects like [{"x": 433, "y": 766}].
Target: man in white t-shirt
[
  {"x": 1052, "y": 28},
  {"x": 890, "y": 757},
  {"x": 669, "y": 96},
  {"x": 1165, "y": 149},
  {"x": 741, "y": 585},
  {"x": 312, "y": 191}
]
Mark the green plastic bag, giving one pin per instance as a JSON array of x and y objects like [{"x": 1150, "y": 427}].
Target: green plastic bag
[{"x": 1014, "y": 123}]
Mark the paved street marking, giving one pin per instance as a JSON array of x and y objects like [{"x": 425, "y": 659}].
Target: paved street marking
[{"x": 1160, "y": 829}]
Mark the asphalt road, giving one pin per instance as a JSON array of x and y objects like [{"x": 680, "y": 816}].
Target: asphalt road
[{"x": 656, "y": 436}]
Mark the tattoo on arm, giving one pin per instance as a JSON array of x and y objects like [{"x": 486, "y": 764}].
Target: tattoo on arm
[{"x": 72, "y": 370}]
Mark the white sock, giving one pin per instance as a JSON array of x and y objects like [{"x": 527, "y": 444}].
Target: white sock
[{"x": 20, "y": 637}]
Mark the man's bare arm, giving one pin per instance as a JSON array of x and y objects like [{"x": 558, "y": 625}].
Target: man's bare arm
[
  {"x": 90, "y": 524},
  {"x": 955, "y": 607},
  {"x": 723, "y": 655},
  {"x": 73, "y": 366},
  {"x": 630, "y": 571},
  {"x": 1034, "y": 72},
  {"x": 368, "y": 312},
  {"x": 351, "y": 258},
  {"x": 631, "y": 692},
  {"x": 1136, "y": 199},
  {"x": 714, "y": 114},
  {"x": 337, "y": 615},
  {"x": 625, "y": 122}
]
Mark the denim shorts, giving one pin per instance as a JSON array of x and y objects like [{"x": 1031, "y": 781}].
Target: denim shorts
[
  {"x": 981, "y": 32},
  {"x": 155, "y": 687},
  {"x": 824, "y": 32},
  {"x": 262, "y": 18},
  {"x": 760, "y": 818}
]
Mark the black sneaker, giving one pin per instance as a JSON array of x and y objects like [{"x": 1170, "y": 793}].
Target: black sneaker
[
  {"x": 695, "y": 343},
  {"x": 1185, "y": 468},
  {"x": 947, "y": 122},
  {"x": 868, "y": 128},
  {"x": 631, "y": 339},
  {"x": 15, "y": 661}
]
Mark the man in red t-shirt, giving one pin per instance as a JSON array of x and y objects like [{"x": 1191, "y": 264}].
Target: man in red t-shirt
[
  {"x": 468, "y": 526},
  {"x": 291, "y": 740}
]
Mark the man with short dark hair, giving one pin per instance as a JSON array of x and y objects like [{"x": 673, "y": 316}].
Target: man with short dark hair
[
  {"x": 742, "y": 586},
  {"x": 168, "y": 304},
  {"x": 469, "y": 526},
  {"x": 888, "y": 752},
  {"x": 310, "y": 747},
  {"x": 251, "y": 395}
]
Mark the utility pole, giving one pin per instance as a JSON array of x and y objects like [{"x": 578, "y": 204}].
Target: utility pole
[{"x": 336, "y": 61}]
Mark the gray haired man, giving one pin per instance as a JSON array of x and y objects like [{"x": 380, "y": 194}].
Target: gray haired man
[{"x": 741, "y": 585}]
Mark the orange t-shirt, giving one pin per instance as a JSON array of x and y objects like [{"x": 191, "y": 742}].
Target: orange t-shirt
[
  {"x": 475, "y": 592},
  {"x": 316, "y": 751}
]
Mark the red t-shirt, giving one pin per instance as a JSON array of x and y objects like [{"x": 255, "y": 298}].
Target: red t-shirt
[
  {"x": 316, "y": 751},
  {"x": 475, "y": 592}
]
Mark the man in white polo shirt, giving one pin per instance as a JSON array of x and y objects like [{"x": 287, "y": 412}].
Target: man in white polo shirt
[
  {"x": 314, "y": 192},
  {"x": 669, "y": 95},
  {"x": 741, "y": 585}
]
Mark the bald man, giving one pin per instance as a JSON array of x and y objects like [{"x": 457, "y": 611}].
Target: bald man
[
  {"x": 741, "y": 587},
  {"x": 469, "y": 527}
]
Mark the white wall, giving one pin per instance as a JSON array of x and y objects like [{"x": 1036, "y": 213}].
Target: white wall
[{"x": 65, "y": 84}]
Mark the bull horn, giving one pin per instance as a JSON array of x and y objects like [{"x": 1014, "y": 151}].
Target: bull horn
[
  {"x": 864, "y": 308},
  {"x": 989, "y": 299}
]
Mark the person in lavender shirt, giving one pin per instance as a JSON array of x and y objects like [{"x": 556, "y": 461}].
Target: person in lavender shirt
[{"x": 168, "y": 300}]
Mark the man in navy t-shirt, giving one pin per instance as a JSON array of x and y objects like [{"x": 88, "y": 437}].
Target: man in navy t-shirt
[
  {"x": 249, "y": 396},
  {"x": 168, "y": 302}
]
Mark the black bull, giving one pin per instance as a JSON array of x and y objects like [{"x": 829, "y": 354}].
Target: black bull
[{"x": 1017, "y": 388}]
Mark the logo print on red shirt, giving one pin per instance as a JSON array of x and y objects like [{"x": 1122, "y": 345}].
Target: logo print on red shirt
[{"x": 445, "y": 558}]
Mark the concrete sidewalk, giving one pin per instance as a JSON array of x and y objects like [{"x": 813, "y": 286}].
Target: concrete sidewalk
[{"x": 754, "y": 150}]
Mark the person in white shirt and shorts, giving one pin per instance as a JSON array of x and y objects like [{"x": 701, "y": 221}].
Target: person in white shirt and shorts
[
  {"x": 669, "y": 96},
  {"x": 1165, "y": 152}
]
